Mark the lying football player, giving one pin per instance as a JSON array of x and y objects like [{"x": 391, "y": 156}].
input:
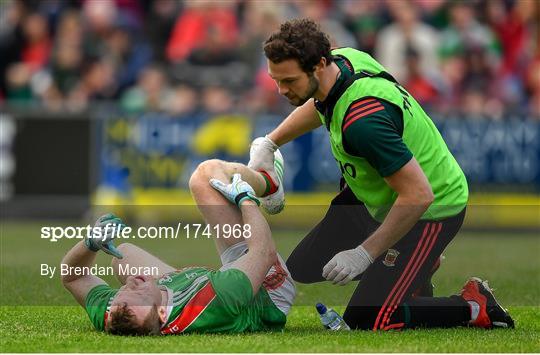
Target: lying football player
[{"x": 252, "y": 291}]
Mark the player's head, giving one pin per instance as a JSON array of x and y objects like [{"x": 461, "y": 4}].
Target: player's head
[
  {"x": 297, "y": 54},
  {"x": 136, "y": 309}
]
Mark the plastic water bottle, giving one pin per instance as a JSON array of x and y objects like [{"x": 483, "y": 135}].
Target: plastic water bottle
[{"x": 330, "y": 319}]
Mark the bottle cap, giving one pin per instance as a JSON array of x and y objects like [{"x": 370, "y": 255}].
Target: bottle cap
[{"x": 321, "y": 308}]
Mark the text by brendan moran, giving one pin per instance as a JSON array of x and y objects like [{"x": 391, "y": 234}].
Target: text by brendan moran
[{"x": 96, "y": 270}]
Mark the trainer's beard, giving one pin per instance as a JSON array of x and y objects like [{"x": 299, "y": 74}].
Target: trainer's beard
[{"x": 313, "y": 86}]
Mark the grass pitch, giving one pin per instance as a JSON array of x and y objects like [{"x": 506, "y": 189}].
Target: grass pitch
[{"x": 38, "y": 315}]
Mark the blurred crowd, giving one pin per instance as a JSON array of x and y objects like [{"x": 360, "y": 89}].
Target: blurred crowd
[{"x": 181, "y": 57}]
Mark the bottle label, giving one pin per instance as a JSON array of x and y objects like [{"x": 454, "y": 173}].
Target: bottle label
[{"x": 335, "y": 325}]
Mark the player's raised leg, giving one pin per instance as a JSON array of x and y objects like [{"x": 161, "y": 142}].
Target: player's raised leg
[
  {"x": 217, "y": 211},
  {"x": 255, "y": 256}
]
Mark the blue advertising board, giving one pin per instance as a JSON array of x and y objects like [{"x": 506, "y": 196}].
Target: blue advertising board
[{"x": 156, "y": 150}]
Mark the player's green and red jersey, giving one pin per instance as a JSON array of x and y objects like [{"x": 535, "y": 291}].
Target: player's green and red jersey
[
  {"x": 202, "y": 300},
  {"x": 375, "y": 128}
]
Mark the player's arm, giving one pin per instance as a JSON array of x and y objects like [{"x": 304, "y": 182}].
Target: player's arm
[
  {"x": 80, "y": 285},
  {"x": 84, "y": 254},
  {"x": 262, "y": 251}
]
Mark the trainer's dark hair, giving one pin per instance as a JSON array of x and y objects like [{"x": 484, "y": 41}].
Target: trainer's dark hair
[
  {"x": 300, "y": 39},
  {"x": 123, "y": 322}
]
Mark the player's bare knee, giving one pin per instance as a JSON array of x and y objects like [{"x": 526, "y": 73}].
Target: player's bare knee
[
  {"x": 204, "y": 172},
  {"x": 211, "y": 166},
  {"x": 196, "y": 180}
]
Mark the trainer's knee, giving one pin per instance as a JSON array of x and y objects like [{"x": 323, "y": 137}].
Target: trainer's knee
[
  {"x": 203, "y": 173},
  {"x": 301, "y": 271}
]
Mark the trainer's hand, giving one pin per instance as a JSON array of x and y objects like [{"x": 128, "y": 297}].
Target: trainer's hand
[
  {"x": 261, "y": 154},
  {"x": 346, "y": 265},
  {"x": 237, "y": 191},
  {"x": 102, "y": 236}
]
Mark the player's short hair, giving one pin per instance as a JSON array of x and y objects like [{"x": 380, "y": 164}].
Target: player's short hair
[
  {"x": 122, "y": 322},
  {"x": 299, "y": 39}
]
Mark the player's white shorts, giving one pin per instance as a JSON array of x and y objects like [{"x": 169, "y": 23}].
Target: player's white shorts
[{"x": 278, "y": 282}]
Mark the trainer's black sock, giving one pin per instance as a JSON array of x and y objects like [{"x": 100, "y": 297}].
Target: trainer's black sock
[{"x": 437, "y": 312}]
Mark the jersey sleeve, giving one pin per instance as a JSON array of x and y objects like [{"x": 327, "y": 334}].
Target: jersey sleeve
[
  {"x": 97, "y": 302},
  {"x": 233, "y": 289},
  {"x": 372, "y": 129}
]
